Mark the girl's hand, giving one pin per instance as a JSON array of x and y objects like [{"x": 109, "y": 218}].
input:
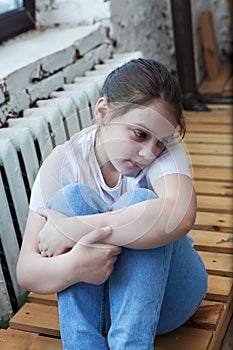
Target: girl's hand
[
  {"x": 52, "y": 240},
  {"x": 93, "y": 261}
]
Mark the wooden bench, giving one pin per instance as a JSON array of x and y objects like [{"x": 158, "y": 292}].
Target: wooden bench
[{"x": 209, "y": 143}]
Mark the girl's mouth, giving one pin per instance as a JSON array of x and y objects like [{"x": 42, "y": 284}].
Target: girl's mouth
[{"x": 136, "y": 165}]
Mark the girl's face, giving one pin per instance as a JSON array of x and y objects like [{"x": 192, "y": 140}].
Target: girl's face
[{"x": 128, "y": 143}]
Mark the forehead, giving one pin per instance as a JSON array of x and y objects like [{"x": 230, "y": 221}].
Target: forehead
[{"x": 155, "y": 119}]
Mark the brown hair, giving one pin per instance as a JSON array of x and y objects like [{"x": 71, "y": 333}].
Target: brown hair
[{"x": 140, "y": 82}]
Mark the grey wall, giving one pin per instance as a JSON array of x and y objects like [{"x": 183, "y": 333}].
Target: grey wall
[{"x": 144, "y": 25}]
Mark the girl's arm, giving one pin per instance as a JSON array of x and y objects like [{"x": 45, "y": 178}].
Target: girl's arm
[
  {"x": 145, "y": 225},
  {"x": 87, "y": 261}
]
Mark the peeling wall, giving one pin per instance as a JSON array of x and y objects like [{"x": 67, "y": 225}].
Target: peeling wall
[
  {"x": 142, "y": 25},
  {"x": 147, "y": 26},
  {"x": 71, "y": 12}
]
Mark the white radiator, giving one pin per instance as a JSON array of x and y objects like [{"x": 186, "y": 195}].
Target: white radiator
[{"x": 23, "y": 147}]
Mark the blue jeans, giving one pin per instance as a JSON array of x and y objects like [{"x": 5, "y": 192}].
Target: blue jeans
[{"x": 149, "y": 292}]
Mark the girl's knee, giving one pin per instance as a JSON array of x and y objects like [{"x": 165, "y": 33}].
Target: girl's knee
[{"x": 77, "y": 199}]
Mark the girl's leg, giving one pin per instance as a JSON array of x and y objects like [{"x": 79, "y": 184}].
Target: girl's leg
[
  {"x": 142, "y": 284},
  {"x": 185, "y": 289},
  {"x": 81, "y": 306}
]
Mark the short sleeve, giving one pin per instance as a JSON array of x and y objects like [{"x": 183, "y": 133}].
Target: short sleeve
[
  {"x": 50, "y": 177},
  {"x": 174, "y": 160}
]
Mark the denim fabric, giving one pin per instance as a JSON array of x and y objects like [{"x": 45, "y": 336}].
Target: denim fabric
[{"x": 149, "y": 292}]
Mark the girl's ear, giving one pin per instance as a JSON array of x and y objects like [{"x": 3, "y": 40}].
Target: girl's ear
[{"x": 100, "y": 110}]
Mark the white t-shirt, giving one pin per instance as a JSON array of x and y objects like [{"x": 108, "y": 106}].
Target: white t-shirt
[{"x": 75, "y": 162}]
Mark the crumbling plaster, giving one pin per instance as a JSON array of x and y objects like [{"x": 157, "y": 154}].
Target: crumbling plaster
[{"x": 142, "y": 25}]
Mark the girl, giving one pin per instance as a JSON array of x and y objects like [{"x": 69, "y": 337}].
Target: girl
[{"x": 121, "y": 201}]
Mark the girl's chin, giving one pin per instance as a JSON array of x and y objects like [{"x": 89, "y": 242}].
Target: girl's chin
[{"x": 131, "y": 173}]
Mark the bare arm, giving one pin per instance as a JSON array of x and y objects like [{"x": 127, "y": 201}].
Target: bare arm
[
  {"x": 145, "y": 225},
  {"x": 86, "y": 262}
]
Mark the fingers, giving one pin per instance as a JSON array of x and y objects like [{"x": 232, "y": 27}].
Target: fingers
[
  {"x": 96, "y": 235},
  {"x": 93, "y": 238}
]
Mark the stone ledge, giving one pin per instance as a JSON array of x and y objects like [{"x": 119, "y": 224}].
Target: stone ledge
[
  {"x": 37, "y": 45},
  {"x": 40, "y": 62}
]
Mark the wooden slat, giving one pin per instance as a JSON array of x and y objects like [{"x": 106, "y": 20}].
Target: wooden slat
[
  {"x": 212, "y": 160},
  {"x": 211, "y": 241},
  {"x": 209, "y": 128},
  {"x": 220, "y": 107},
  {"x": 18, "y": 340},
  {"x": 196, "y": 148},
  {"x": 218, "y": 263},
  {"x": 214, "y": 138},
  {"x": 222, "y": 327},
  {"x": 219, "y": 222},
  {"x": 49, "y": 299},
  {"x": 214, "y": 187},
  {"x": 185, "y": 338},
  {"x": 220, "y": 288},
  {"x": 207, "y": 316},
  {"x": 214, "y": 203},
  {"x": 37, "y": 318},
  {"x": 223, "y": 116},
  {"x": 216, "y": 174}
]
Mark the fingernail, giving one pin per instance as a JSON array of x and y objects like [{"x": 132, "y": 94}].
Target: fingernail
[{"x": 107, "y": 229}]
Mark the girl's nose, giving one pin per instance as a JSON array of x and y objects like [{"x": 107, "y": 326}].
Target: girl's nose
[
  {"x": 151, "y": 151},
  {"x": 147, "y": 153}
]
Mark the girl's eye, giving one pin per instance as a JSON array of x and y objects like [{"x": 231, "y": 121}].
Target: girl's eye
[{"x": 140, "y": 134}]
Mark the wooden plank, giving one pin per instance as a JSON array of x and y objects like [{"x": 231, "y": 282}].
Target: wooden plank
[
  {"x": 214, "y": 222},
  {"x": 209, "y": 45},
  {"x": 213, "y": 117},
  {"x": 212, "y": 160},
  {"x": 185, "y": 338},
  {"x": 218, "y": 263},
  {"x": 37, "y": 318},
  {"x": 196, "y": 148},
  {"x": 214, "y": 203},
  {"x": 18, "y": 340},
  {"x": 204, "y": 138},
  {"x": 49, "y": 299},
  {"x": 220, "y": 288},
  {"x": 214, "y": 187},
  {"x": 211, "y": 241},
  {"x": 216, "y": 87},
  {"x": 209, "y": 128},
  {"x": 218, "y": 335},
  {"x": 206, "y": 173},
  {"x": 220, "y": 107},
  {"x": 207, "y": 316}
]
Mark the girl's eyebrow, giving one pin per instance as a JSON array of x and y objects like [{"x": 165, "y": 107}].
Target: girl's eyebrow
[
  {"x": 144, "y": 128},
  {"x": 166, "y": 138}
]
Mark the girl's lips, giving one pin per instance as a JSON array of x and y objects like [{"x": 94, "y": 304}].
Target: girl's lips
[{"x": 136, "y": 165}]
